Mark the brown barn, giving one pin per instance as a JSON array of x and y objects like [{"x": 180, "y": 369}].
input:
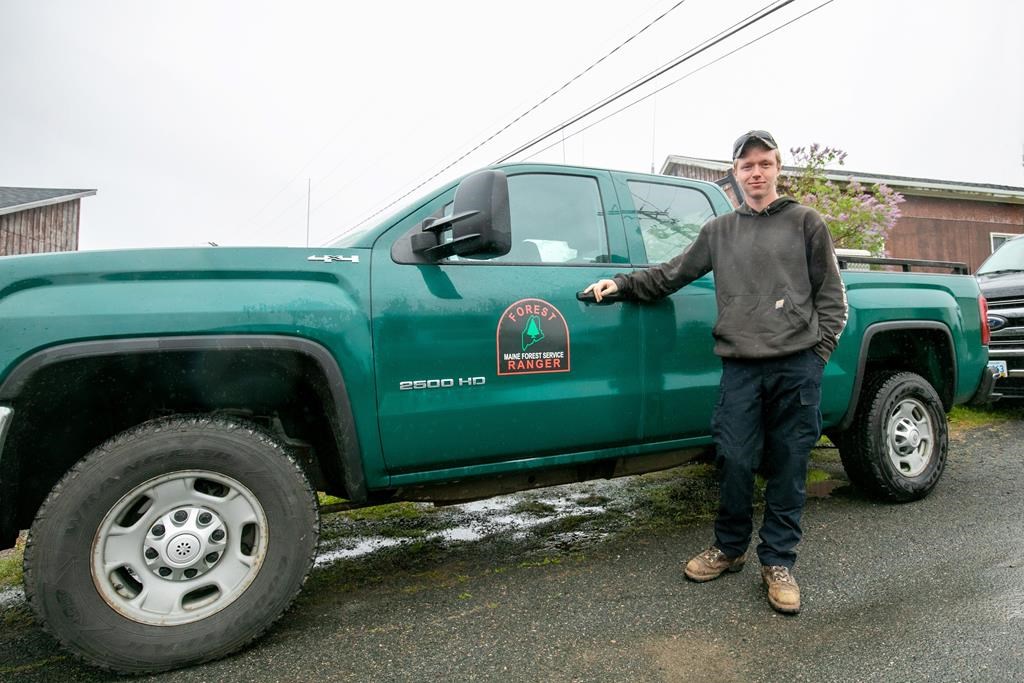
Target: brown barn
[
  {"x": 34, "y": 220},
  {"x": 942, "y": 220}
]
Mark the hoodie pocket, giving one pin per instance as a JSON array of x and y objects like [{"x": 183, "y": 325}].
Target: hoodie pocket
[
  {"x": 770, "y": 315},
  {"x": 801, "y": 318}
]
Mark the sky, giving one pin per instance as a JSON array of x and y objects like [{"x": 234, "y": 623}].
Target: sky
[{"x": 203, "y": 121}]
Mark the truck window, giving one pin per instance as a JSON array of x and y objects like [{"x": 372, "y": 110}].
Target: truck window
[
  {"x": 556, "y": 219},
  {"x": 669, "y": 216}
]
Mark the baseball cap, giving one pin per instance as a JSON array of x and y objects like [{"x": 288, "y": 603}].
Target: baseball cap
[{"x": 760, "y": 135}]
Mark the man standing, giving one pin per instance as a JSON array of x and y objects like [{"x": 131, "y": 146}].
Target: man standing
[{"x": 781, "y": 309}]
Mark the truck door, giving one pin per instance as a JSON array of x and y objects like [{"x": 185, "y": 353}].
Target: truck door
[
  {"x": 482, "y": 361},
  {"x": 680, "y": 372}
]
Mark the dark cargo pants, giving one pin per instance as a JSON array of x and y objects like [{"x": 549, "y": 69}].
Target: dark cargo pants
[{"x": 767, "y": 421}]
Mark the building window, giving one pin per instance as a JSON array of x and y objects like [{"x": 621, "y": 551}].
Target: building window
[{"x": 997, "y": 238}]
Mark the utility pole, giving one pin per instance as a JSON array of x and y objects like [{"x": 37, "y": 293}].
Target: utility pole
[{"x": 309, "y": 195}]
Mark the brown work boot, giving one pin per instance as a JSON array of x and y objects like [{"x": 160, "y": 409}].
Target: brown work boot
[
  {"x": 783, "y": 591},
  {"x": 711, "y": 564}
]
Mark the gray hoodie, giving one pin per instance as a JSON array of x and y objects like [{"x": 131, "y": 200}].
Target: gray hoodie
[{"x": 776, "y": 279}]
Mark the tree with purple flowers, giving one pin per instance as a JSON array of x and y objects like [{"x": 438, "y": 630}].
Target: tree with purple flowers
[{"x": 858, "y": 217}]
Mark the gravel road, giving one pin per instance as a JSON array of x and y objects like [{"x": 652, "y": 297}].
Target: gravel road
[{"x": 930, "y": 591}]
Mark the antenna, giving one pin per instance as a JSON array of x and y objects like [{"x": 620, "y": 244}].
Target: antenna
[{"x": 654, "y": 126}]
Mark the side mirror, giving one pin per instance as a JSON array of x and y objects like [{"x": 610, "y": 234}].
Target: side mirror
[{"x": 481, "y": 224}]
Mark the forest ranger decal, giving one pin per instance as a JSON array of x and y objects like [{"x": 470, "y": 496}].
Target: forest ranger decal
[{"x": 532, "y": 338}]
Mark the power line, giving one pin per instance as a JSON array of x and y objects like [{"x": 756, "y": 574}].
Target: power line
[
  {"x": 284, "y": 187},
  {"x": 558, "y": 90},
  {"x": 378, "y": 161},
  {"x": 681, "y": 78},
  {"x": 523, "y": 115},
  {"x": 761, "y": 14},
  {"x": 262, "y": 227}
]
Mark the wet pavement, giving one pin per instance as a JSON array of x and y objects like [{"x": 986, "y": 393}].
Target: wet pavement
[{"x": 583, "y": 583}]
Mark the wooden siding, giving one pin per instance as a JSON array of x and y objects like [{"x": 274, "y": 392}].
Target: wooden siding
[
  {"x": 47, "y": 228},
  {"x": 697, "y": 173},
  {"x": 951, "y": 229},
  {"x": 706, "y": 174},
  {"x": 930, "y": 228}
]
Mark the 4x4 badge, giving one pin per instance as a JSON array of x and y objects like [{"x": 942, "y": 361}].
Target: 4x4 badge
[{"x": 334, "y": 258}]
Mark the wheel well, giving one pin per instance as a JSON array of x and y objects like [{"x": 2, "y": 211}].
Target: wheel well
[
  {"x": 927, "y": 352},
  {"x": 66, "y": 409}
]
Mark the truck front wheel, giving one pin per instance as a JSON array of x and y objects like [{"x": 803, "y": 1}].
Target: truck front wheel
[
  {"x": 896, "y": 447},
  {"x": 174, "y": 543}
]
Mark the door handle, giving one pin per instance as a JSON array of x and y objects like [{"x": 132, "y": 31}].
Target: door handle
[{"x": 588, "y": 298}]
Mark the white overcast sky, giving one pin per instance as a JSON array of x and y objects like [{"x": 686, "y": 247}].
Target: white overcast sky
[{"x": 203, "y": 121}]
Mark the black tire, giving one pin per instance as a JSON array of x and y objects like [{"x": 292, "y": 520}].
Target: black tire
[
  {"x": 896, "y": 448},
  {"x": 244, "y": 524}
]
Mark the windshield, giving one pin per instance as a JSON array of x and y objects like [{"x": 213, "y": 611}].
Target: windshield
[{"x": 1010, "y": 257}]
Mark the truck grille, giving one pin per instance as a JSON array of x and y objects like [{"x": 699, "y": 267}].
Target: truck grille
[
  {"x": 1007, "y": 344},
  {"x": 1011, "y": 335}
]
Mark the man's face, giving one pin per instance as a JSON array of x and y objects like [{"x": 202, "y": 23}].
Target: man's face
[{"x": 757, "y": 170}]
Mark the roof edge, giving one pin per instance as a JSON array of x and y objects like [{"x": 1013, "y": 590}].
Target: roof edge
[
  {"x": 46, "y": 202},
  {"x": 914, "y": 186}
]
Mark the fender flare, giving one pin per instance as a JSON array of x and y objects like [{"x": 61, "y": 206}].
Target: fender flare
[
  {"x": 862, "y": 361},
  {"x": 341, "y": 418}
]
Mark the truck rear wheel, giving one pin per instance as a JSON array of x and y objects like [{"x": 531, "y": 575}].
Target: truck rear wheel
[
  {"x": 896, "y": 447},
  {"x": 174, "y": 543}
]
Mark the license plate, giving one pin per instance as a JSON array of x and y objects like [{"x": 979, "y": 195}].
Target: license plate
[{"x": 998, "y": 368}]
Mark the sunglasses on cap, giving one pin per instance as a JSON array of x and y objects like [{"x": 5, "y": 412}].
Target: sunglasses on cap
[{"x": 761, "y": 135}]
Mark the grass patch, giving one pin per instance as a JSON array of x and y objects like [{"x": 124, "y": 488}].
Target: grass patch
[
  {"x": 689, "y": 496},
  {"x": 567, "y": 524},
  {"x": 593, "y": 500},
  {"x": 327, "y": 499},
  {"x": 963, "y": 418},
  {"x": 403, "y": 510},
  {"x": 394, "y": 520},
  {"x": 534, "y": 507},
  {"x": 543, "y": 562},
  {"x": 825, "y": 455},
  {"x": 815, "y": 475},
  {"x": 24, "y": 668},
  {"x": 10, "y": 568},
  {"x": 19, "y": 615},
  {"x": 700, "y": 470}
]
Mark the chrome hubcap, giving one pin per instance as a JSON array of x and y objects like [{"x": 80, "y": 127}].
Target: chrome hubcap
[
  {"x": 185, "y": 543},
  {"x": 179, "y": 547},
  {"x": 910, "y": 440}
]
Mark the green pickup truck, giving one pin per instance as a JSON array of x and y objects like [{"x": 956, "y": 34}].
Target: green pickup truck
[{"x": 166, "y": 416}]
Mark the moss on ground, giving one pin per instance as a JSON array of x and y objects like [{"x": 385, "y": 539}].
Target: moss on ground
[
  {"x": 11, "y": 567},
  {"x": 534, "y": 507},
  {"x": 592, "y": 500},
  {"x": 815, "y": 475},
  {"x": 828, "y": 455},
  {"x": 394, "y": 520},
  {"x": 404, "y": 510},
  {"x": 327, "y": 499},
  {"x": 686, "y": 496}
]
